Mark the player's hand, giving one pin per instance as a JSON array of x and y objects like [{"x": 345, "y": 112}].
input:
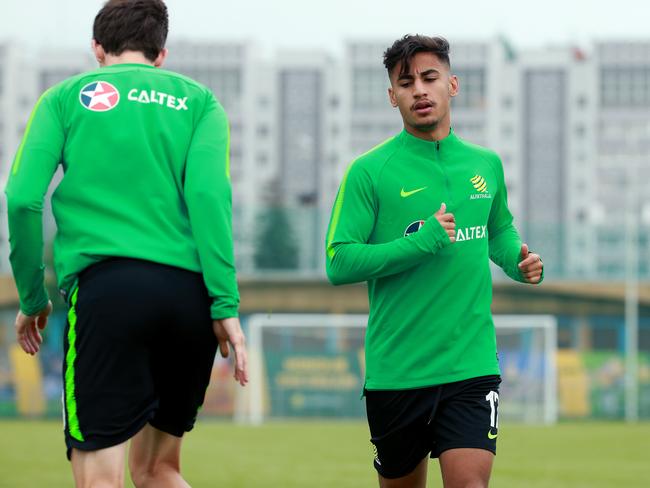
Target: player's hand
[
  {"x": 447, "y": 220},
  {"x": 28, "y": 329},
  {"x": 229, "y": 334},
  {"x": 531, "y": 265}
]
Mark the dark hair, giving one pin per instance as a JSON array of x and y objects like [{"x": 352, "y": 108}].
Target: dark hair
[
  {"x": 408, "y": 46},
  {"x": 132, "y": 25}
]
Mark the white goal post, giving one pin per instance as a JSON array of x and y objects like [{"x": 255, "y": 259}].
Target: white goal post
[{"x": 311, "y": 365}]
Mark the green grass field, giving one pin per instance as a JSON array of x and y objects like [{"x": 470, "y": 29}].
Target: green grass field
[{"x": 338, "y": 455}]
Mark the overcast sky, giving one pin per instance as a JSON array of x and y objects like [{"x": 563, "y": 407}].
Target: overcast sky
[{"x": 328, "y": 23}]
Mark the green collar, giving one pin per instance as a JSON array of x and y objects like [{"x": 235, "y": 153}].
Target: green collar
[{"x": 442, "y": 146}]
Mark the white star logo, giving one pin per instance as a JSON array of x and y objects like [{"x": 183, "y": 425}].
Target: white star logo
[{"x": 100, "y": 97}]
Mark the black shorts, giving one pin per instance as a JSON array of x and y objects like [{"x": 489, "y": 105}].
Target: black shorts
[
  {"x": 407, "y": 425},
  {"x": 138, "y": 348}
]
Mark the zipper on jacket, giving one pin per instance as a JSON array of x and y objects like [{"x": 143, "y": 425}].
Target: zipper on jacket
[{"x": 448, "y": 201}]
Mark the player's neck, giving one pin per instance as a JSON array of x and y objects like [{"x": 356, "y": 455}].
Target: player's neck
[
  {"x": 127, "y": 57},
  {"x": 436, "y": 133}
]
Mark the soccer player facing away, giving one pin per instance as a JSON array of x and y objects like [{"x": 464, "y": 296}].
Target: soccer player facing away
[
  {"x": 419, "y": 217},
  {"x": 143, "y": 250}
]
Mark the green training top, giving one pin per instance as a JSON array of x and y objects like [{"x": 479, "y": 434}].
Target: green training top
[
  {"x": 144, "y": 153},
  {"x": 430, "y": 321}
]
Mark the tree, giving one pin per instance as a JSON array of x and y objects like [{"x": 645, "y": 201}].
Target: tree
[{"x": 275, "y": 243}]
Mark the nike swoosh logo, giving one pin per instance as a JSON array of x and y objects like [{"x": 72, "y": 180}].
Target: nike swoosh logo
[
  {"x": 492, "y": 436},
  {"x": 405, "y": 194}
]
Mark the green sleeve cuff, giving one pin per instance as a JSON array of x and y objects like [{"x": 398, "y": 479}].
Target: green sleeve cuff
[
  {"x": 433, "y": 235},
  {"x": 35, "y": 307},
  {"x": 221, "y": 311}
]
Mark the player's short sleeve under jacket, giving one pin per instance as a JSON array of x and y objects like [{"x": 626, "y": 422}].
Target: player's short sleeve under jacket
[
  {"x": 430, "y": 321},
  {"x": 144, "y": 153}
]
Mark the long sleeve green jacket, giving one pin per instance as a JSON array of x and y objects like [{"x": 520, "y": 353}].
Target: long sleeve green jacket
[
  {"x": 430, "y": 321},
  {"x": 145, "y": 164}
]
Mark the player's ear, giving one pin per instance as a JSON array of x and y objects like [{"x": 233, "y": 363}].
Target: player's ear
[
  {"x": 162, "y": 56},
  {"x": 454, "y": 87},
  {"x": 98, "y": 51},
  {"x": 392, "y": 97}
]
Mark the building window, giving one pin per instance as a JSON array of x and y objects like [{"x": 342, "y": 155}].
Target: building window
[
  {"x": 262, "y": 160},
  {"x": 472, "y": 88},
  {"x": 262, "y": 130},
  {"x": 369, "y": 88},
  {"x": 625, "y": 86}
]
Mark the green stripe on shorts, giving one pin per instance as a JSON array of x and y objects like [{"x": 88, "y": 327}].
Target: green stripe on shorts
[{"x": 70, "y": 357}]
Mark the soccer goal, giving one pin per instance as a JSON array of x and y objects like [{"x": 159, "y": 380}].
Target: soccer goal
[{"x": 312, "y": 366}]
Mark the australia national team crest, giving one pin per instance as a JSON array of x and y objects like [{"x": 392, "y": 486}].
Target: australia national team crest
[
  {"x": 99, "y": 96},
  {"x": 413, "y": 227},
  {"x": 481, "y": 188}
]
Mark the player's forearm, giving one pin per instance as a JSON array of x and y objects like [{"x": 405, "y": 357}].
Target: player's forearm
[
  {"x": 357, "y": 262},
  {"x": 210, "y": 218},
  {"x": 505, "y": 248},
  {"x": 354, "y": 263},
  {"x": 26, "y": 257},
  {"x": 219, "y": 274}
]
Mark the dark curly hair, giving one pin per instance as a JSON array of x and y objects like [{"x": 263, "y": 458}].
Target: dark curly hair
[
  {"x": 132, "y": 25},
  {"x": 408, "y": 46}
]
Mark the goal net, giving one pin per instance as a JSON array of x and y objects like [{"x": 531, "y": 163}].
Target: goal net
[{"x": 312, "y": 366}]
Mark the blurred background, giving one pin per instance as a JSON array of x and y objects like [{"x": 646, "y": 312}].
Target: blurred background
[{"x": 561, "y": 92}]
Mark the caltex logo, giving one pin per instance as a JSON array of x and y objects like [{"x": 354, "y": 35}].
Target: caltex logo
[{"x": 99, "y": 96}]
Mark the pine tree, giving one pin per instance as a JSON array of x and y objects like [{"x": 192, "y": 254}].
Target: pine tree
[{"x": 275, "y": 243}]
